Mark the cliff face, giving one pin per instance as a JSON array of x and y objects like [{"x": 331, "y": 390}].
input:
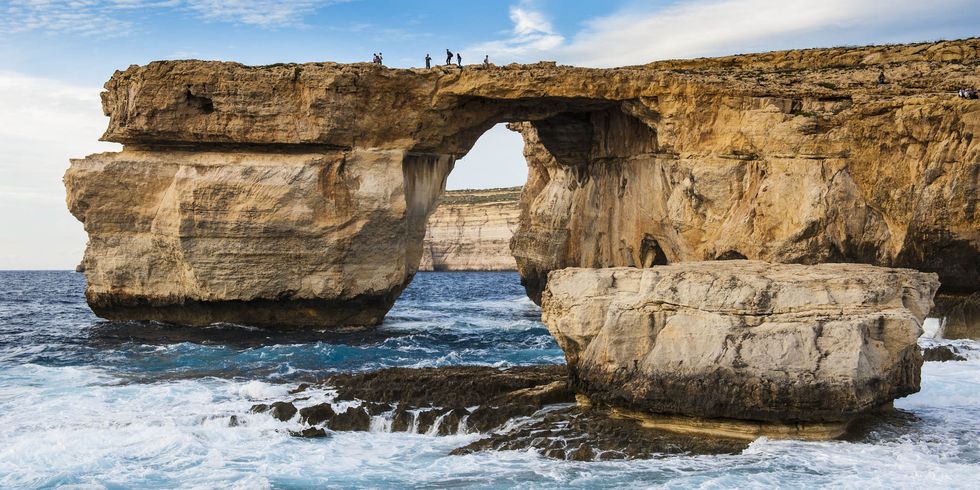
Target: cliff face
[
  {"x": 298, "y": 194},
  {"x": 470, "y": 230}
]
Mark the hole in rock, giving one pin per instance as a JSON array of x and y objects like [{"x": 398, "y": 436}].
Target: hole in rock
[
  {"x": 472, "y": 226},
  {"x": 651, "y": 254},
  {"x": 731, "y": 255}
]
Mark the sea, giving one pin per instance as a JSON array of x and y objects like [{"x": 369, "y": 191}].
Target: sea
[{"x": 88, "y": 403}]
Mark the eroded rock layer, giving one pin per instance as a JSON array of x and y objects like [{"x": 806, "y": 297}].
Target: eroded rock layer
[
  {"x": 742, "y": 339},
  {"x": 471, "y": 230},
  {"x": 285, "y": 194}
]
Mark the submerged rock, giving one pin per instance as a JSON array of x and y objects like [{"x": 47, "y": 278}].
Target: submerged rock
[
  {"x": 309, "y": 433},
  {"x": 941, "y": 353},
  {"x": 282, "y": 410},
  {"x": 435, "y": 399},
  {"x": 744, "y": 340},
  {"x": 354, "y": 419},
  {"x": 317, "y": 414},
  {"x": 590, "y": 434},
  {"x": 456, "y": 386}
]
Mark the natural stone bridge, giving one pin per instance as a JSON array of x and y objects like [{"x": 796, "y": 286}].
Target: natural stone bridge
[{"x": 296, "y": 195}]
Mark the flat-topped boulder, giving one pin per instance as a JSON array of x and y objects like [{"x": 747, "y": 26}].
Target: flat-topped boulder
[{"x": 746, "y": 340}]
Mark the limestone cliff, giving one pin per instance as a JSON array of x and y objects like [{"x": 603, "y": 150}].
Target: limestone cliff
[
  {"x": 471, "y": 231},
  {"x": 297, "y": 194},
  {"x": 742, "y": 339}
]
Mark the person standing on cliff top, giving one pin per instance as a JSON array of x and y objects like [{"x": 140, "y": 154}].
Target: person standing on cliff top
[
  {"x": 428, "y": 61},
  {"x": 486, "y": 61},
  {"x": 459, "y": 60},
  {"x": 449, "y": 57},
  {"x": 381, "y": 59}
]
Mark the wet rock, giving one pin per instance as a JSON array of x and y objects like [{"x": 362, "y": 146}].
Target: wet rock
[
  {"x": 259, "y": 408},
  {"x": 458, "y": 386},
  {"x": 450, "y": 421},
  {"x": 317, "y": 414},
  {"x": 487, "y": 418},
  {"x": 233, "y": 421},
  {"x": 401, "y": 420},
  {"x": 426, "y": 419},
  {"x": 282, "y": 410},
  {"x": 590, "y": 434},
  {"x": 377, "y": 408},
  {"x": 941, "y": 353},
  {"x": 354, "y": 419},
  {"x": 309, "y": 433},
  {"x": 299, "y": 389}
]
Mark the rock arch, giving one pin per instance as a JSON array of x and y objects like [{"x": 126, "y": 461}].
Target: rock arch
[{"x": 296, "y": 195}]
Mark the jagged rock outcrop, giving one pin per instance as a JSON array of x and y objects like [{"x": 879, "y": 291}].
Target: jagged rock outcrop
[
  {"x": 470, "y": 230},
  {"x": 294, "y": 195},
  {"x": 748, "y": 340}
]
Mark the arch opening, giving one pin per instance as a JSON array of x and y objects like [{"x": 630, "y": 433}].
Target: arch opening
[{"x": 571, "y": 148}]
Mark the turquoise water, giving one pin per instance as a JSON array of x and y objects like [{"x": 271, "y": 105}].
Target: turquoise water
[{"x": 85, "y": 402}]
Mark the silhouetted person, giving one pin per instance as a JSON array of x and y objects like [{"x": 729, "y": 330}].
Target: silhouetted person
[
  {"x": 449, "y": 57},
  {"x": 459, "y": 60},
  {"x": 381, "y": 59},
  {"x": 374, "y": 59},
  {"x": 486, "y": 61},
  {"x": 428, "y": 61},
  {"x": 881, "y": 78}
]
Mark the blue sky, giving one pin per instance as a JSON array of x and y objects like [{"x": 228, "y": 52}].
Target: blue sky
[{"x": 55, "y": 55}]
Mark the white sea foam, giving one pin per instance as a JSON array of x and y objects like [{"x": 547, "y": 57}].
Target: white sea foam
[{"x": 80, "y": 426}]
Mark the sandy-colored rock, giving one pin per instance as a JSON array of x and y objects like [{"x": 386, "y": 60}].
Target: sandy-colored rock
[
  {"x": 741, "y": 339},
  {"x": 283, "y": 240},
  {"x": 471, "y": 231},
  {"x": 795, "y": 156}
]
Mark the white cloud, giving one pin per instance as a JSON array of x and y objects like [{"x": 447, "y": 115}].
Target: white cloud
[
  {"x": 43, "y": 123},
  {"x": 266, "y": 13},
  {"x": 107, "y": 18},
  {"x": 640, "y": 34},
  {"x": 532, "y": 33}
]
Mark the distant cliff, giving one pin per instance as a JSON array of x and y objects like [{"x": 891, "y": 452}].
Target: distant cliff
[{"x": 471, "y": 231}]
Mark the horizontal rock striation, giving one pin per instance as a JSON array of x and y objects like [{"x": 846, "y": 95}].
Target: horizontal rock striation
[
  {"x": 295, "y": 195},
  {"x": 471, "y": 230},
  {"x": 744, "y": 340}
]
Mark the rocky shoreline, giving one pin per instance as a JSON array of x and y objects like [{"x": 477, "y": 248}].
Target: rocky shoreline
[{"x": 517, "y": 408}]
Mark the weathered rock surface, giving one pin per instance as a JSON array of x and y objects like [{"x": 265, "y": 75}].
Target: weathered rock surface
[
  {"x": 295, "y": 195},
  {"x": 517, "y": 408},
  {"x": 959, "y": 315},
  {"x": 941, "y": 353},
  {"x": 742, "y": 340},
  {"x": 471, "y": 230}
]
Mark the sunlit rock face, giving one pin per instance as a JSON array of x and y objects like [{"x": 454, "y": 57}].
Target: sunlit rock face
[
  {"x": 297, "y": 195},
  {"x": 471, "y": 231},
  {"x": 740, "y": 339}
]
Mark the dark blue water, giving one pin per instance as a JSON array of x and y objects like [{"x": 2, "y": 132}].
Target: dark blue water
[
  {"x": 440, "y": 319},
  {"x": 96, "y": 404}
]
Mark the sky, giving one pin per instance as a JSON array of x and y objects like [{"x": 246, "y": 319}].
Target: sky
[{"x": 55, "y": 56}]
